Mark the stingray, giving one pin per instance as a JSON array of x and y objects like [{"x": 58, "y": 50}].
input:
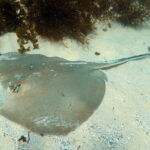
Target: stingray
[{"x": 51, "y": 95}]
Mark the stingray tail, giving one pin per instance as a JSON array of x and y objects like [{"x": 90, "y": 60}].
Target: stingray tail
[{"x": 116, "y": 62}]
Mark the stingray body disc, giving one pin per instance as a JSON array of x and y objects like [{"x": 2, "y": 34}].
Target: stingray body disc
[{"x": 51, "y": 98}]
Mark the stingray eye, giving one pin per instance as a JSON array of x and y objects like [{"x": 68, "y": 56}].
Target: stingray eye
[
  {"x": 17, "y": 88},
  {"x": 14, "y": 88}
]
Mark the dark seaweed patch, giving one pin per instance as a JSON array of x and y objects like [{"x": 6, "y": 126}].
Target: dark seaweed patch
[{"x": 56, "y": 20}]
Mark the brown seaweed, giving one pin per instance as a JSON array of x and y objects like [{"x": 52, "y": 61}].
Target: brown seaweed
[
  {"x": 130, "y": 12},
  {"x": 8, "y": 17},
  {"x": 56, "y": 20}
]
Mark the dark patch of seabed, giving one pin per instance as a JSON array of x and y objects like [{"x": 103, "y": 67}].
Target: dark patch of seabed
[{"x": 49, "y": 95}]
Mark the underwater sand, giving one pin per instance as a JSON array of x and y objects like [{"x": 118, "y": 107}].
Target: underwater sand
[{"x": 122, "y": 121}]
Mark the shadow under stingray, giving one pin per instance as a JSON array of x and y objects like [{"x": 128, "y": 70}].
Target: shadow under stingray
[{"x": 50, "y": 95}]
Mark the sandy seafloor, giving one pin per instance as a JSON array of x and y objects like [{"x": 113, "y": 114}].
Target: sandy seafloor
[{"x": 122, "y": 121}]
